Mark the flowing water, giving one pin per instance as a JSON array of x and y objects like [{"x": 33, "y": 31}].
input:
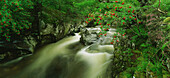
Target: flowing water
[{"x": 67, "y": 58}]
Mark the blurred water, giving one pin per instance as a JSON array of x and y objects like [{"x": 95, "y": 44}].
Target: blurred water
[{"x": 65, "y": 59}]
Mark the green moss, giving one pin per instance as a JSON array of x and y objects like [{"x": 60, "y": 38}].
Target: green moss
[{"x": 167, "y": 21}]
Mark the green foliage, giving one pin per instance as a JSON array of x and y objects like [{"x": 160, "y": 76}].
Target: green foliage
[
  {"x": 164, "y": 5},
  {"x": 14, "y": 17},
  {"x": 140, "y": 37},
  {"x": 59, "y": 11},
  {"x": 85, "y": 6},
  {"x": 17, "y": 16},
  {"x": 167, "y": 20}
]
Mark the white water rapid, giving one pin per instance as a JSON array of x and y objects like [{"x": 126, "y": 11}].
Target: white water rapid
[{"x": 65, "y": 59}]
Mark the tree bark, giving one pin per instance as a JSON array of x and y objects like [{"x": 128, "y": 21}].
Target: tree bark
[{"x": 35, "y": 25}]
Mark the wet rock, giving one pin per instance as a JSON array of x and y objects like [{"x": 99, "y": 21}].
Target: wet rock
[
  {"x": 49, "y": 33},
  {"x": 30, "y": 42},
  {"x": 90, "y": 36},
  {"x": 87, "y": 37},
  {"x": 17, "y": 48}
]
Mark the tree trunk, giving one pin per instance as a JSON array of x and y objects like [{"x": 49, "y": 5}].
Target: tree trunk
[{"x": 36, "y": 23}]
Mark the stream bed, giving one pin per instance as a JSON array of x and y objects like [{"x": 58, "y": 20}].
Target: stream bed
[{"x": 67, "y": 58}]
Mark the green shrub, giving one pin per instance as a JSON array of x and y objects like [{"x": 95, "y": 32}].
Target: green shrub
[
  {"x": 14, "y": 17},
  {"x": 140, "y": 38}
]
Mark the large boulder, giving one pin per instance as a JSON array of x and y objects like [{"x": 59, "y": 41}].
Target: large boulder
[
  {"x": 15, "y": 49},
  {"x": 90, "y": 36}
]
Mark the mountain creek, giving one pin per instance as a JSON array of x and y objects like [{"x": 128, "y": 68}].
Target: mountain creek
[
  {"x": 84, "y": 39},
  {"x": 67, "y": 58}
]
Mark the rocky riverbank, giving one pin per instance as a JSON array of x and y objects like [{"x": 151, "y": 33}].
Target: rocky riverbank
[{"x": 48, "y": 34}]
